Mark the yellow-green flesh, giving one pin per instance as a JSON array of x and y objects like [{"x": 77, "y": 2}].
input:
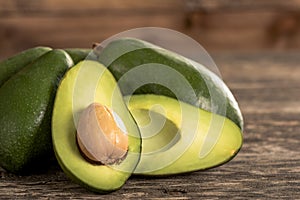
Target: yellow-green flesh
[
  {"x": 178, "y": 137},
  {"x": 84, "y": 84}
]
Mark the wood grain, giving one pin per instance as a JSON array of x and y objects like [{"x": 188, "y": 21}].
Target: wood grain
[
  {"x": 62, "y": 24},
  {"x": 66, "y": 7},
  {"x": 267, "y": 86},
  {"x": 219, "y": 25},
  {"x": 218, "y": 5}
]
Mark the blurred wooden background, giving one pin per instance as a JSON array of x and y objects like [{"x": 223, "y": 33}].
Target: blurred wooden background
[
  {"x": 265, "y": 81},
  {"x": 219, "y": 25}
]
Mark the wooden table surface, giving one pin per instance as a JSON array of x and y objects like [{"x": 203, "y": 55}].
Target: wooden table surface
[{"x": 267, "y": 86}]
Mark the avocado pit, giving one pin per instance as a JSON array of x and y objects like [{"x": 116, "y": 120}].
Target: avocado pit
[{"x": 101, "y": 136}]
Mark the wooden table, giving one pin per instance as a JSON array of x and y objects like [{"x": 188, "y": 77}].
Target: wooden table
[{"x": 267, "y": 87}]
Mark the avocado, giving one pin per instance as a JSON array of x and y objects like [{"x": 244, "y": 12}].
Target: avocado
[
  {"x": 178, "y": 137},
  {"x": 144, "y": 68},
  {"x": 84, "y": 85},
  {"x": 78, "y": 54},
  {"x": 15, "y": 63},
  {"x": 26, "y": 102}
]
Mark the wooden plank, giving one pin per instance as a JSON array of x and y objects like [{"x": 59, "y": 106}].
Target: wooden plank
[
  {"x": 248, "y": 30},
  {"x": 20, "y": 32},
  {"x": 267, "y": 86},
  {"x": 69, "y": 7},
  {"x": 229, "y": 40},
  {"x": 228, "y": 5},
  {"x": 222, "y": 27},
  {"x": 265, "y": 24},
  {"x": 238, "y": 20}
]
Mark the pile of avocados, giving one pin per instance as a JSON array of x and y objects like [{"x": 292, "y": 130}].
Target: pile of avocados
[{"x": 167, "y": 113}]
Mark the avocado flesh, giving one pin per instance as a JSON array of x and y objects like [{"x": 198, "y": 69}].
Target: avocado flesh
[
  {"x": 168, "y": 74},
  {"x": 85, "y": 83},
  {"x": 191, "y": 139},
  {"x": 26, "y": 102},
  {"x": 15, "y": 63}
]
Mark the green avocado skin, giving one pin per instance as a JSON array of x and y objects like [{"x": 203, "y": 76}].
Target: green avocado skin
[
  {"x": 15, "y": 63},
  {"x": 78, "y": 54},
  {"x": 26, "y": 102},
  {"x": 208, "y": 92}
]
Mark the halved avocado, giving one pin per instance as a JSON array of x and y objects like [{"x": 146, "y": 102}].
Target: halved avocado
[
  {"x": 178, "y": 137},
  {"x": 90, "y": 82}
]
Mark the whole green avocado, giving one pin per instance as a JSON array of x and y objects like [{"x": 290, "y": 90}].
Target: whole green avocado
[
  {"x": 26, "y": 102},
  {"x": 15, "y": 63}
]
